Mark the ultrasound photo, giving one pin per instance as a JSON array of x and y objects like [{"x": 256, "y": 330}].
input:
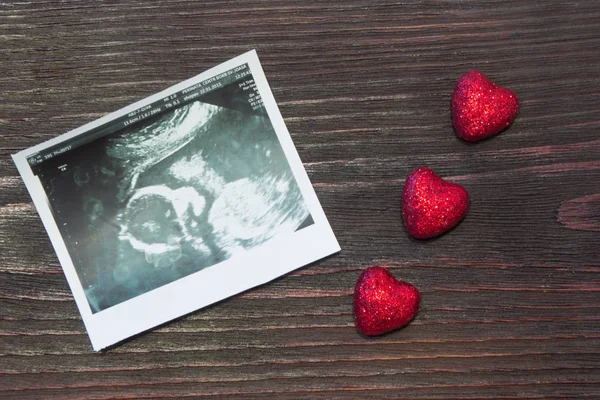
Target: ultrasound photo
[
  {"x": 172, "y": 195},
  {"x": 180, "y": 200}
]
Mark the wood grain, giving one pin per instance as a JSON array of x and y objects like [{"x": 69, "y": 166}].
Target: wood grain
[
  {"x": 511, "y": 297},
  {"x": 582, "y": 213}
]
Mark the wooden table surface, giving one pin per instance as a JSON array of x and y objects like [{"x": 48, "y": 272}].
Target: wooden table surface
[{"x": 510, "y": 298}]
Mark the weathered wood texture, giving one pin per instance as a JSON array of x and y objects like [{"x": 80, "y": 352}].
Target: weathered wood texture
[{"x": 510, "y": 297}]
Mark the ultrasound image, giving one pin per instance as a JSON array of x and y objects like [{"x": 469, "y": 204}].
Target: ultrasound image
[{"x": 173, "y": 195}]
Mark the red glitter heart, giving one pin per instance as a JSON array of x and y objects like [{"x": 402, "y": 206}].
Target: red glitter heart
[
  {"x": 430, "y": 205},
  {"x": 382, "y": 303},
  {"x": 480, "y": 108}
]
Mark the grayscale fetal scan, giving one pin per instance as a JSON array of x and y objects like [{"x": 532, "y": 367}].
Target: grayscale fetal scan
[{"x": 175, "y": 193}]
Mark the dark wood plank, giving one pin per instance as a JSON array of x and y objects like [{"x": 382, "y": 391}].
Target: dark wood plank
[{"x": 510, "y": 297}]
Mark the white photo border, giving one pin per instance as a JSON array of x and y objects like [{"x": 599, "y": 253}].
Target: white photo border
[{"x": 276, "y": 257}]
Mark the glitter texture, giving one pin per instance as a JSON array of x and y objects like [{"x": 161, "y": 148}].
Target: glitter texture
[
  {"x": 382, "y": 303},
  {"x": 430, "y": 205},
  {"x": 480, "y": 108}
]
